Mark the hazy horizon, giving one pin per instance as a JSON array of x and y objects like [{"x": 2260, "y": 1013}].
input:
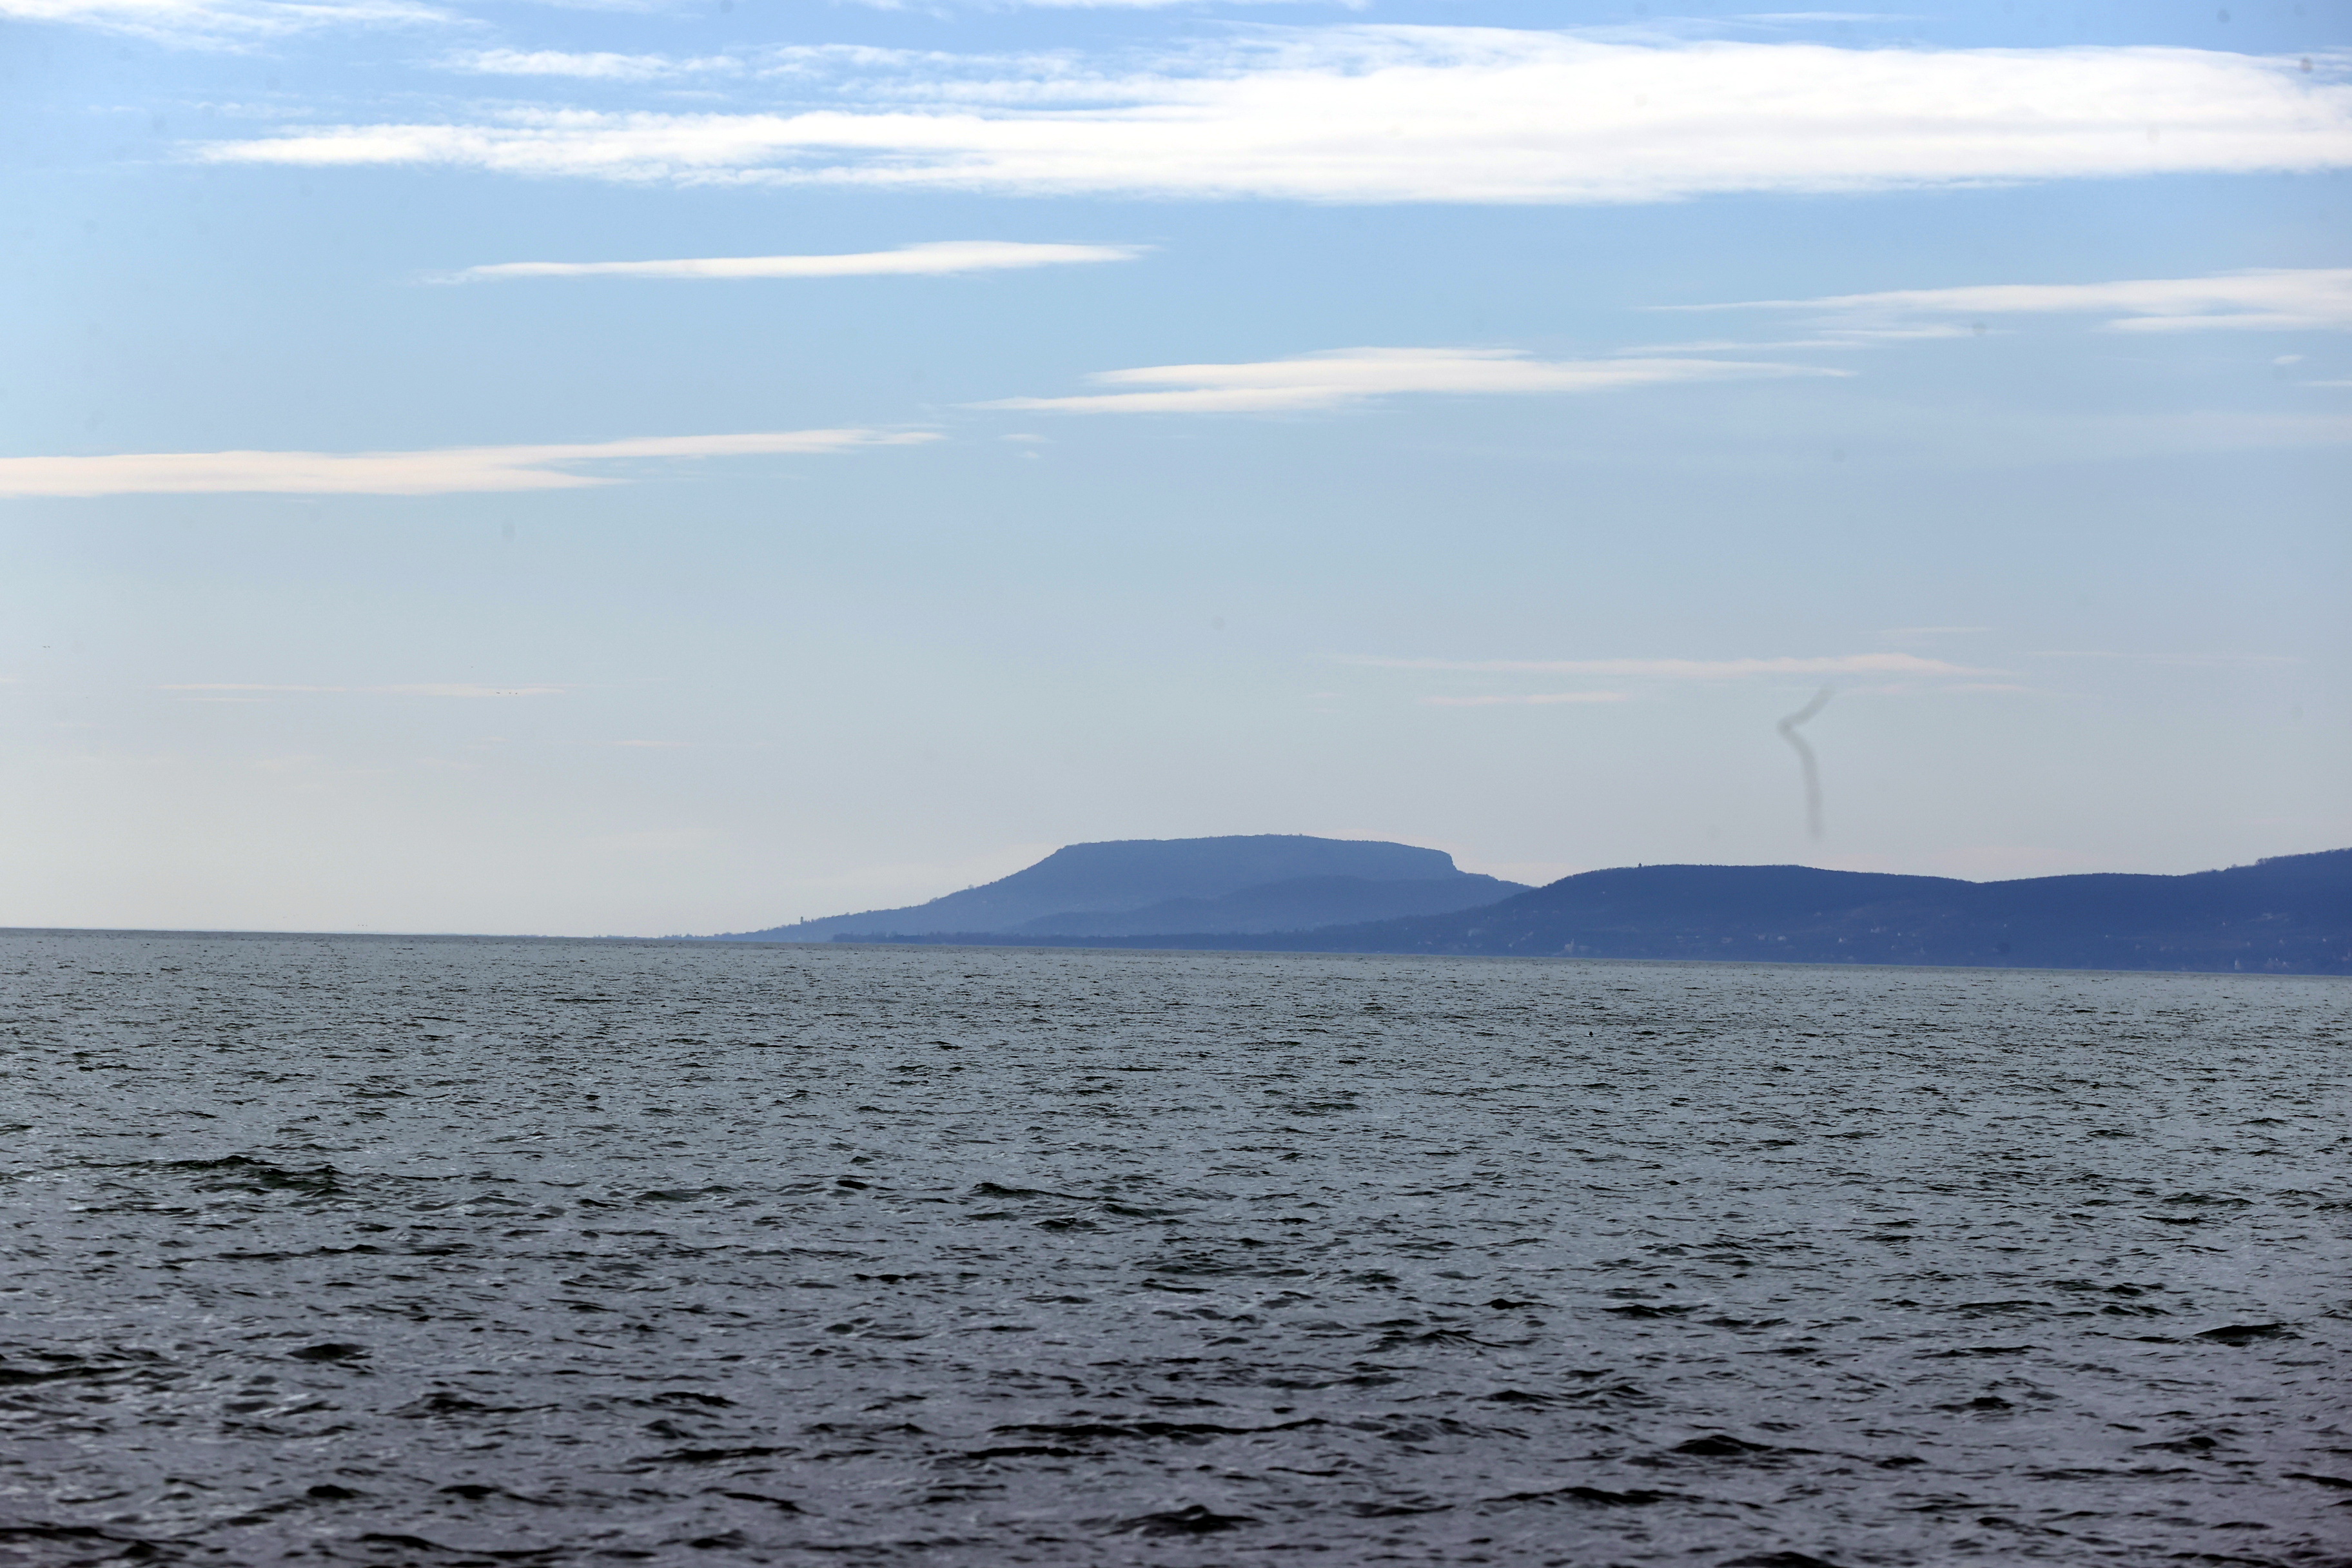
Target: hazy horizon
[{"x": 823, "y": 920}]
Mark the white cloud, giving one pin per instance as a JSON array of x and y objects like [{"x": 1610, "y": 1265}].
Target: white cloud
[
  {"x": 1689, "y": 669},
  {"x": 1351, "y": 376},
  {"x": 2269, "y": 299},
  {"x": 597, "y": 66},
  {"x": 2200, "y": 660},
  {"x": 1136, "y": 5},
  {"x": 1537, "y": 698},
  {"x": 1126, "y": 4},
  {"x": 777, "y": 61},
  {"x": 1433, "y": 114},
  {"x": 933, "y": 259},
  {"x": 222, "y": 23},
  {"x": 440, "y": 471},
  {"x": 427, "y": 688}
]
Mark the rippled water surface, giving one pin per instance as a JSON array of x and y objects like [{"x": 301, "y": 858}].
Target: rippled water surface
[{"x": 440, "y": 1252}]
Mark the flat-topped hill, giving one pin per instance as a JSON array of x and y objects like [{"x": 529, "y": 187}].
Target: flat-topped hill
[{"x": 1257, "y": 882}]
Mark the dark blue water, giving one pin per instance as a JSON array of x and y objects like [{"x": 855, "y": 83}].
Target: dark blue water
[{"x": 487, "y": 1252}]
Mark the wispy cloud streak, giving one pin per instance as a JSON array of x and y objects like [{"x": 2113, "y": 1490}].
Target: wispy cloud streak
[
  {"x": 2267, "y": 299},
  {"x": 223, "y": 23},
  {"x": 1529, "y": 699},
  {"x": 436, "y": 471},
  {"x": 1891, "y": 664},
  {"x": 1344, "y": 376},
  {"x": 424, "y": 689},
  {"x": 596, "y": 65},
  {"x": 933, "y": 259}
]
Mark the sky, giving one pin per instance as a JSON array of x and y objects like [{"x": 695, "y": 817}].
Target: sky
[{"x": 645, "y": 467}]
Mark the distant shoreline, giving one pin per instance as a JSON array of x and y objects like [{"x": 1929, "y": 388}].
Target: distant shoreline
[{"x": 1143, "y": 949}]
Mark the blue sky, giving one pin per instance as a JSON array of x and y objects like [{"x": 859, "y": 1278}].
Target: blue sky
[{"x": 646, "y": 468}]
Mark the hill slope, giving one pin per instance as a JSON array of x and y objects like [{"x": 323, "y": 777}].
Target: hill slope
[
  {"x": 1078, "y": 888},
  {"x": 2288, "y": 915},
  {"x": 1300, "y": 904}
]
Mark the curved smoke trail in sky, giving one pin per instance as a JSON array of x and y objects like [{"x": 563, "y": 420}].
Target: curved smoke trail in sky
[{"x": 1787, "y": 728}]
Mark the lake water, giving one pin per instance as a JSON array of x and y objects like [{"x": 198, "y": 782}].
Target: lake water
[{"x": 442, "y": 1252}]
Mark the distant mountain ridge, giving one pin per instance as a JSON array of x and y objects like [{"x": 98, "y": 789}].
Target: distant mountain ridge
[
  {"x": 2291, "y": 914},
  {"x": 1250, "y": 883}
]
